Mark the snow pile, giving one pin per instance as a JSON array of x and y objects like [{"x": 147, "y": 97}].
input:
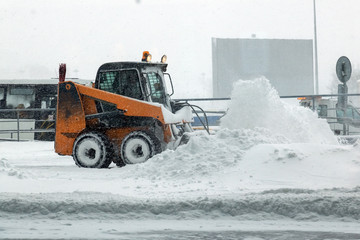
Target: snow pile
[
  {"x": 298, "y": 204},
  {"x": 7, "y": 169},
  {"x": 256, "y": 116},
  {"x": 205, "y": 155},
  {"x": 287, "y": 146},
  {"x": 256, "y": 104}
]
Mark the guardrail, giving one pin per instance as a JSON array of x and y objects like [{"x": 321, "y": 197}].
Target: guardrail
[
  {"x": 312, "y": 98},
  {"x": 20, "y": 117}
]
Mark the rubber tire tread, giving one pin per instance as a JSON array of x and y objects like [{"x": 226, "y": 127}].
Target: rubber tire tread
[
  {"x": 141, "y": 134},
  {"x": 109, "y": 150}
]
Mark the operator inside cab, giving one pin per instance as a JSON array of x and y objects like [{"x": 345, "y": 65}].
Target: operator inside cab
[
  {"x": 143, "y": 81},
  {"x": 130, "y": 85},
  {"x": 124, "y": 82}
]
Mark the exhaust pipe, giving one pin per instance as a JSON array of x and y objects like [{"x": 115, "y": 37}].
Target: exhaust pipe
[{"x": 62, "y": 72}]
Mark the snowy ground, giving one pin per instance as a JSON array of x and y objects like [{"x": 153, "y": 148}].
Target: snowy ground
[{"x": 272, "y": 171}]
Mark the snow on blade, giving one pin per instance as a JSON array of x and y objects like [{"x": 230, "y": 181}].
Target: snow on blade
[
  {"x": 182, "y": 115},
  {"x": 256, "y": 104}
]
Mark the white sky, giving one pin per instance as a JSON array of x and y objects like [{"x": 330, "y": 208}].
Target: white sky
[{"x": 37, "y": 35}]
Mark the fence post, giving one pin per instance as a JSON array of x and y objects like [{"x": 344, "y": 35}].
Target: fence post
[
  {"x": 18, "y": 126},
  {"x": 313, "y": 104}
]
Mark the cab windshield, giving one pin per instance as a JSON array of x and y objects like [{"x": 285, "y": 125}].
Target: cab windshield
[{"x": 157, "y": 88}]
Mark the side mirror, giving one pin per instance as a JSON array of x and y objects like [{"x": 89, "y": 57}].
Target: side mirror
[{"x": 172, "y": 86}]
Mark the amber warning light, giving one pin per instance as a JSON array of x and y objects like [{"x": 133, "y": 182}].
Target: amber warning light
[{"x": 146, "y": 56}]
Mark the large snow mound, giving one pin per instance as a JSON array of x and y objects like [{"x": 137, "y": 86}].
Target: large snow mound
[
  {"x": 256, "y": 104},
  {"x": 205, "y": 155},
  {"x": 256, "y": 116}
]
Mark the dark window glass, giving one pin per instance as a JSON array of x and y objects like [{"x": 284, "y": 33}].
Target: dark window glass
[
  {"x": 156, "y": 86},
  {"x": 2, "y": 93},
  {"x": 322, "y": 110},
  {"x": 108, "y": 80},
  {"x": 356, "y": 113},
  {"x": 339, "y": 113},
  {"x": 21, "y": 91},
  {"x": 129, "y": 84},
  {"x": 125, "y": 83},
  {"x": 349, "y": 112}
]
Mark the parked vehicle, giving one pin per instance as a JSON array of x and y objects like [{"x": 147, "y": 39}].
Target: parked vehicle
[
  {"x": 37, "y": 101},
  {"x": 342, "y": 121}
]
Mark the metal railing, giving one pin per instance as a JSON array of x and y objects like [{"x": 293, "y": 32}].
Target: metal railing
[
  {"x": 312, "y": 98},
  {"x": 18, "y": 118},
  {"x": 26, "y": 115}
]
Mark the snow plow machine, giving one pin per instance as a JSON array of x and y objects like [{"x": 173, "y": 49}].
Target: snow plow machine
[{"x": 125, "y": 117}]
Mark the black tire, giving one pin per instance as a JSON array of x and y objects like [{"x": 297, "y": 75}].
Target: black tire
[
  {"x": 137, "y": 147},
  {"x": 93, "y": 150},
  {"x": 119, "y": 162},
  {"x": 157, "y": 144}
]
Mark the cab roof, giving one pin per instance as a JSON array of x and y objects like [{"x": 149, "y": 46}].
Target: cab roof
[
  {"x": 126, "y": 65},
  {"x": 49, "y": 81}
]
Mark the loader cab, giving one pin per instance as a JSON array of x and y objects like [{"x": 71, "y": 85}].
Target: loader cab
[
  {"x": 140, "y": 80},
  {"x": 155, "y": 84}
]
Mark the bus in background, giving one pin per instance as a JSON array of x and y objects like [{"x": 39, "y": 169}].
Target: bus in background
[{"x": 30, "y": 106}]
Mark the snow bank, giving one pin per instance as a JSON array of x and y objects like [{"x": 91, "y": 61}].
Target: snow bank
[
  {"x": 205, "y": 155},
  {"x": 256, "y": 116},
  {"x": 298, "y": 204},
  {"x": 7, "y": 169},
  {"x": 273, "y": 145},
  {"x": 244, "y": 160},
  {"x": 256, "y": 104}
]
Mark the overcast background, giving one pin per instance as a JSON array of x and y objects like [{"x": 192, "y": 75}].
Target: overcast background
[{"x": 37, "y": 35}]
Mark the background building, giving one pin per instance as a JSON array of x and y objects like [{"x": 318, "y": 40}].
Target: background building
[{"x": 288, "y": 64}]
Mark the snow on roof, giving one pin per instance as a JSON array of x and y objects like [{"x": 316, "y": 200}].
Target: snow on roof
[{"x": 41, "y": 81}]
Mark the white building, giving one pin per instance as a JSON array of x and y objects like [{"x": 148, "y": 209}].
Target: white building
[{"x": 287, "y": 63}]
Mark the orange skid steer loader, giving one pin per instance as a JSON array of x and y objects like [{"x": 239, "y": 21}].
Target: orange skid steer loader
[{"x": 126, "y": 117}]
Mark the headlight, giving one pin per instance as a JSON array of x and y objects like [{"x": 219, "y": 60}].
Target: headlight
[
  {"x": 163, "y": 59},
  {"x": 148, "y": 58}
]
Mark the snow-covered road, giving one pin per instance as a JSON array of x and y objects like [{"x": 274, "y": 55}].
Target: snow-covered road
[{"x": 288, "y": 179}]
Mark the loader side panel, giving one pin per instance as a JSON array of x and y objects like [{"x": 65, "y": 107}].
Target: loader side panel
[
  {"x": 70, "y": 117},
  {"x": 89, "y": 106},
  {"x": 131, "y": 107}
]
